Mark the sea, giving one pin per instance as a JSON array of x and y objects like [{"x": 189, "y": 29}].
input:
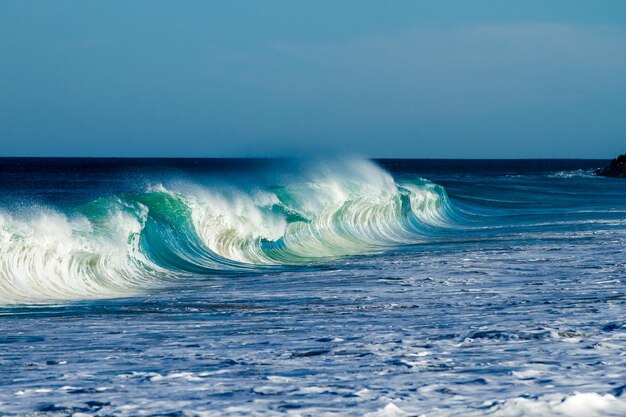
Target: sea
[{"x": 311, "y": 287}]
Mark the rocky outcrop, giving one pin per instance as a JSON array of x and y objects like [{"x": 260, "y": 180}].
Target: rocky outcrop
[{"x": 617, "y": 168}]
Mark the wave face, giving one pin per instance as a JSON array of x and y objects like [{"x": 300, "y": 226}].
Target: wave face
[{"x": 121, "y": 244}]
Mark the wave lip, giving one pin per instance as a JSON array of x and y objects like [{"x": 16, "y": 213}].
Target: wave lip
[
  {"x": 325, "y": 216},
  {"x": 50, "y": 256},
  {"x": 118, "y": 246}
]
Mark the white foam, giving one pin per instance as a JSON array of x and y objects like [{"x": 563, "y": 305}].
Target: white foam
[
  {"x": 390, "y": 410},
  {"x": 348, "y": 208},
  {"x": 49, "y": 256},
  {"x": 586, "y": 404}
]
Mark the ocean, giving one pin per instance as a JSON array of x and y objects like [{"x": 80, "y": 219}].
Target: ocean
[{"x": 326, "y": 287}]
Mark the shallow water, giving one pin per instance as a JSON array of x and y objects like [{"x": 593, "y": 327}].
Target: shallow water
[{"x": 505, "y": 296}]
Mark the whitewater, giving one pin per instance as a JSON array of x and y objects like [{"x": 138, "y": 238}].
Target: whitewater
[
  {"x": 310, "y": 288},
  {"x": 121, "y": 244}
]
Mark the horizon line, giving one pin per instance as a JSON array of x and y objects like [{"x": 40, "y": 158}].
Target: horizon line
[{"x": 305, "y": 157}]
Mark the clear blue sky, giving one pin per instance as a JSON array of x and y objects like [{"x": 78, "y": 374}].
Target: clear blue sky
[{"x": 273, "y": 78}]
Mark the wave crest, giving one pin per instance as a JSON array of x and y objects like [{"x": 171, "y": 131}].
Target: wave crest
[{"x": 120, "y": 245}]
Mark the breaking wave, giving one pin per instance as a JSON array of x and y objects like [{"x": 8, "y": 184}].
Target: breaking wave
[{"x": 123, "y": 244}]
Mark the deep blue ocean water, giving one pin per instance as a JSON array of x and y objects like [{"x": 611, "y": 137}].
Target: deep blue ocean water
[{"x": 311, "y": 288}]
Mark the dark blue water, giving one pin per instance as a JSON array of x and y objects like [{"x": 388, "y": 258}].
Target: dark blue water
[{"x": 343, "y": 287}]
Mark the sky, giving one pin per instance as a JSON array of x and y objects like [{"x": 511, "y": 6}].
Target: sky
[{"x": 237, "y": 78}]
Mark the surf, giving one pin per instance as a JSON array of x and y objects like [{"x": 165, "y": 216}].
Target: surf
[{"x": 124, "y": 244}]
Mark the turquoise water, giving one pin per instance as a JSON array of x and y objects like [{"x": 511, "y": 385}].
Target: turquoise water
[{"x": 329, "y": 287}]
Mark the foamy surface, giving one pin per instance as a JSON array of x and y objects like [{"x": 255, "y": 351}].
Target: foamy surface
[{"x": 512, "y": 303}]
